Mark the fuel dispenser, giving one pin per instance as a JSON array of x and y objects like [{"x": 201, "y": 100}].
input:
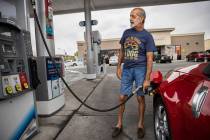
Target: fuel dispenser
[
  {"x": 18, "y": 119},
  {"x": 50, "y": 93},
  {"x": 98, "y": 62}
]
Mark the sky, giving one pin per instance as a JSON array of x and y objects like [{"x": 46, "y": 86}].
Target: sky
[{"x": 185, "y": 18}]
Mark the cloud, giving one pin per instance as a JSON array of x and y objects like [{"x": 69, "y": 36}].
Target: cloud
[{"x": 183, "y": 17}]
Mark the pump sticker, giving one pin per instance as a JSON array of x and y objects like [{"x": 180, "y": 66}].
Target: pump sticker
[{"x": 49, "y": 19}]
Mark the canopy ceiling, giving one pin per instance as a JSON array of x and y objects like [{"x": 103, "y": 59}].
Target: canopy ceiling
[{"x": 72, "y": 6}]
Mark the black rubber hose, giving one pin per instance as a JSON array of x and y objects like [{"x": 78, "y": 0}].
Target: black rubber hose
[{"x": 53, "y": 61}]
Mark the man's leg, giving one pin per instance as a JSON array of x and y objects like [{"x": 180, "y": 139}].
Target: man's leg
[
  {"x": 122, "y": 98},
  {"x": 141, "y": 109},
  {"x": 118, "y": 127},
  {"x": 139, "y": 79},
  {"x": 125, "y": 90}
]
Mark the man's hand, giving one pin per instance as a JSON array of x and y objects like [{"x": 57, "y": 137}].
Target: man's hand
[
  {"x": 120, "y": 60},
  {"x": 119, "y": 73},
  {"x": 146, "y": 84}
]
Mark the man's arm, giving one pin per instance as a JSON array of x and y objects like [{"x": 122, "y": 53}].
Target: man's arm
[
  {"x": 149, "y": 69},
  {"x": 120, "y": 61}
]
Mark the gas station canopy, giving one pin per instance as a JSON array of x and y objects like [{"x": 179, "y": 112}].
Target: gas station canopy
[{"x": 72, "y": 6}]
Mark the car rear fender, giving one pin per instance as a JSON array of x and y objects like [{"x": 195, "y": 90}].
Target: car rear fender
[{"x": 174, "y": 115}]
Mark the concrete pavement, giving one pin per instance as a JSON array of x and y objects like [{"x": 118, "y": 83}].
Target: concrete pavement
[
  {"x": 51, "y": 126},
  {"x": 76, "y": 122},
  {"x": 88, "y": 124}
]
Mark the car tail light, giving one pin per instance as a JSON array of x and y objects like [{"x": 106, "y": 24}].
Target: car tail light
[{"x": 156, "y": 77}]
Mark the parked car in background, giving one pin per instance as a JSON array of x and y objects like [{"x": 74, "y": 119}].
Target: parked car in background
[
  {"x": 181, "y": 103},
  {"x": 196, "y": 56},
  {"x": 73, "y": 63},
  {"x": 162, "y": 58},
  {"x": 77, "y": 63},
  {"x": 208, "y": 55},
  {"x": 67, "y": 64},
  {"x": 113, "y": 60},
  {"x": 208, "y": 51}
]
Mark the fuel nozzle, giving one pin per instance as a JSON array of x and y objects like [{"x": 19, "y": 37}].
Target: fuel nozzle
[{"x": 149, "y": 91}]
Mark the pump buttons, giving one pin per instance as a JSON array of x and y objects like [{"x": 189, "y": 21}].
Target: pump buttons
[
  {"x": 25, "y": 85},
  {"x": 9, "y": 90},
  {"x": 18, "y": 87},
  {"x": 23, "y": 80}
]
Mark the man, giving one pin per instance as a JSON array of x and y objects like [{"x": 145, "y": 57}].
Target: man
[{"x": 137, "y": 47}]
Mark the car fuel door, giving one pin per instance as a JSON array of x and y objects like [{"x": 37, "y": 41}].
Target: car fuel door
[{"x": 201, "y": 110}]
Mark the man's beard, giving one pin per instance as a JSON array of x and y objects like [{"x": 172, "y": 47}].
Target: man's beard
[{"x": 134, "y": 23}]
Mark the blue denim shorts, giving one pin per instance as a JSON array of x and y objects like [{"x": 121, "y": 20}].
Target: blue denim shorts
[{"x": 129, "y": 76}]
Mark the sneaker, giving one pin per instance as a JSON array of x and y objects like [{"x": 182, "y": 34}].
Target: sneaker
[
  {"x": 116, "y": 132},
  {"x": 140, "y": 133}
]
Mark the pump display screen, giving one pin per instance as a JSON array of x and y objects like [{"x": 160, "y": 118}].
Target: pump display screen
[
  {"x": 5, "y": 32},
  {"x": 51, "y": 70},
  {"x": 7, "y": 41},
  {"x": 8, "y": 34}
]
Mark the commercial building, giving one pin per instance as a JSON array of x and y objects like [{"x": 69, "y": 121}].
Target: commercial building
[
  {"x": 193, "y": 42},
  {"x": 207, "y": 44},
  {"x": 177, "y": 46}
]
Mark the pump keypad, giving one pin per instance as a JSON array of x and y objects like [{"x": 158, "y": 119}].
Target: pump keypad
[
  {"x": 18, "y": 87},
  {"x": 9, "y": 90}
]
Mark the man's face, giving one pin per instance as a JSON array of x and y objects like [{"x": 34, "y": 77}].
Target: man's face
[{"x": 135, "y": 19}]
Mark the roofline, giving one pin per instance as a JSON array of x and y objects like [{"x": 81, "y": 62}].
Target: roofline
[
  {"x": 104, "y": 40},
  {"x": 161, "y": 29},
  {"x": 113, "y": 39},
  {"x": 155, "y": 30},
  {"x": 188, "y": 34},
  {"x": 149, "y": 30}
]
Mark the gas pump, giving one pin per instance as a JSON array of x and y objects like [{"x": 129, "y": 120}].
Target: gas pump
[
  {"x": 98, "y": 63},
  {"x": 50, "y": 93},
  {"x": 18, "y": 118}
]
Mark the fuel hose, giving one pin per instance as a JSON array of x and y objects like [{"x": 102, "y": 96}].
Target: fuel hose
[{"x": 70, "y": 90}]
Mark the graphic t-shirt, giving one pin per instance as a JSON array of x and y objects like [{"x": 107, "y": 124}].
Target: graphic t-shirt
[{"x": 135, "y": 44}]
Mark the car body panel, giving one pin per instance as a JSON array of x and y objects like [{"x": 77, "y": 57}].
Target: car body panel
[{"x": 177, "y": 92}]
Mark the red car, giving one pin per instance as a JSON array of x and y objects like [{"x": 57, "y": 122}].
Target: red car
[
  {"x": 182, "y": 103},
  {"x": 208, "y": 55},
  {"x": 196, "y": 56}
]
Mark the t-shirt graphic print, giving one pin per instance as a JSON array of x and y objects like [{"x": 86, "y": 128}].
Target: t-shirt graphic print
[{"x": 131, "y": 48}]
